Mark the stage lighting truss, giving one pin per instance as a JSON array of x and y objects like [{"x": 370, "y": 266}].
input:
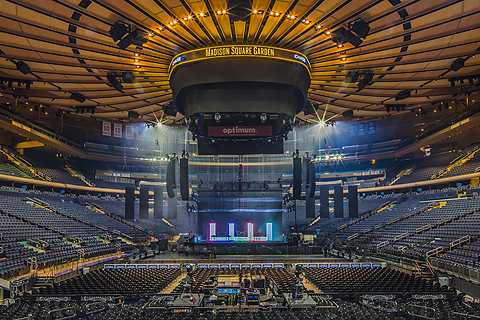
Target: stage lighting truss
[
  {"x": 10, "y": 81},
  {"x": 461, "y": 80}
]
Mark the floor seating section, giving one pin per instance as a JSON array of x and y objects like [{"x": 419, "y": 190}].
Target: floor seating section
[
  {"x": 407, "y": 309},
  {"x": 136, "y": 282},
  {"x": 283, "y": 278},
  {"x": 367, "y": 280}
]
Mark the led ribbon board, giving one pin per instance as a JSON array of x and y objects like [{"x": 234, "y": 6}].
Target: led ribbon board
[{"x": 235, "y": 51}]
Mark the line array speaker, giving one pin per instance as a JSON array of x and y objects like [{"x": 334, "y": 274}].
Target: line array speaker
[
  {"x": 158, "y": 203},
  {"x": 184, "y": 187},
  {"x": 338, "y": 201},
  {"x": 352, "y": 202},
  {"x": 310, "y": 208},
  {"x": 129, "y": 203},
  {"x": 171, "y": 178},
  {"x": 172, "y": 208},
  {"x": 297, "y": 178},
  {"x": 144, "y": 202},
  {"x": 324, "y": 205},
  {"x": 313, "y": 180}
]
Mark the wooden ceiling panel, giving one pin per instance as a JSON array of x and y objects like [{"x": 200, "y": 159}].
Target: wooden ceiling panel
[{"x": 74, "y": 51}]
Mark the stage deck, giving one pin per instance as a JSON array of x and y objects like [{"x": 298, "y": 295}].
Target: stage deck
[{"x": 182, "y": 258}]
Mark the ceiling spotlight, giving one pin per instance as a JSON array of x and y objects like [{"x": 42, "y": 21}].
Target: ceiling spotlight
[
  {"x": 185, "y": 18},
  {"x": 328, "y": 32},
  {"x": 219, "y": 12},
  {"x": 136, "y": 60},
  {"x": 224, "y": 11},
  {"x": 137, "y": 54},
  {"x": 343, "y": 58},
  {"x": 201, "y": 14},
  {"x": 318, "y": 27},
  {"x": 306, "y": 21},
  {"x": 277, "y": 14},
  {"x": 160, "y": 28},
  {"x": 151, "y": 34},
  {"x": 137, "y": 66},
  {"x": 272, "y": 13}
]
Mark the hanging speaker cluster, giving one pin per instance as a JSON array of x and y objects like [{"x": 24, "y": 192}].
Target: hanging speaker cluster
[
  {"x": 297, "y": 177},
  {"x": 184, "y": 187},
  {"x": 171, "y": 183}
]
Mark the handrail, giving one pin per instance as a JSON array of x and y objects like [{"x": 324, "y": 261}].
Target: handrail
[
  {"x": 401, "y": 236},
  {"x": 421, "y": 315},
  {"x": 445, "y": 220},
  {"x": 434, "y": 251},
  {"x": 469, "y": 316},
  {"x": 353, "y": 236},
  {"x": 49, "y": 314},
  {"x": 430, "y": 267},
  {"x": 382, "y": 244},
  {"x": 459, "y": 241},
  {"x": 424, "y": 228}
]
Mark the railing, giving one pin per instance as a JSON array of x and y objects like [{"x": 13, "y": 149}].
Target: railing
[
  {"x": 421, "y": 312},
  {"x": 382, "y": 244},
  {"x": 417, "y": 268},
  {"x": 424, "y": 228},
  {"x": 401, "y": 236},
  {"x": 458, "y": 242},
  {"x": 434, "y": 251},
  {"x": 461, "y": 316},
  {"x": 53, "y": 314},
  {"x": 458, "y": 270},
  {"x": 445, "y": 220},
  {"x": 353, "y": 236},
  {"x": 430, "y": 267}
]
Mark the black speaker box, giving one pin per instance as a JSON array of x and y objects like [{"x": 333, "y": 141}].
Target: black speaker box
[
  {"x": 184, "y": 187},
  {"x": 129, "y": 203}
]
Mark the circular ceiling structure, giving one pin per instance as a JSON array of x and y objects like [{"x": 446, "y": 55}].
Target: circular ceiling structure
[{"x": 111, "y": 59}]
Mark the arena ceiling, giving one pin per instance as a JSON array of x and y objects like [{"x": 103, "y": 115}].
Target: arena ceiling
[{"x": 410, "y": 49}]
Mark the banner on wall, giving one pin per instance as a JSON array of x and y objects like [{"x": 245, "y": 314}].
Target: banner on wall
[
  {"x": 371, "y": 127},
  {"x": 352, "y": 130},
  {"x": 128, "y": 132},
  {"x": 107, "y": 128},
  {"x": 361, "y": 129},
  {"x": 140, "y": 134},
  {"x": 117, "y": 130}
]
